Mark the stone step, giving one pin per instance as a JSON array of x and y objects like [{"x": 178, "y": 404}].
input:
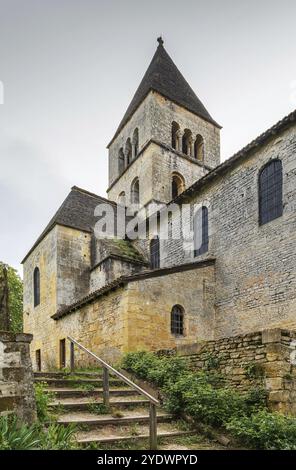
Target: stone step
[
  {"x": 64, "y": 383},
  {"x": 141, "y": 433},
  {"x": 85, "y": 403},
  {"x": 97, "y": 392},
  {"x": 91, "y": 420},
  {"x": 61, "y": 374}
]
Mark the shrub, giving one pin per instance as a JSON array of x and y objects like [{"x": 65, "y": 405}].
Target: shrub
[
  {"x": 265, "y": 430},
  {"x": 16, "y": 436},
  {"x": 157, "y": 370},
  {"x": 203, "y": 397},
  {"x": 42, "y": 401},
  {"x": 195, "y": 396}
]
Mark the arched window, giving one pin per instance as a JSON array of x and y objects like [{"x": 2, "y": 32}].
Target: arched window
[
  {"x": 121, "y": 198},
  {"x": 154, "y": 253},
  {"x": 135, "y": 142},
  {"x": 199, "y": 148},
  {"x": 178, "y": 185},
  {"x": 201, "y": 231},
  {"x": 36, "y": 286},
  {"x": 135, "y": 191},
  {"x": 175, "y": 131},
  {"x": 186, "y": 142},
  {"x": 270, "y": 192},
  {"x": 177, "y": 320},
  {"x": 120, "y": 161},
  {"x": 128, "y": 151}
]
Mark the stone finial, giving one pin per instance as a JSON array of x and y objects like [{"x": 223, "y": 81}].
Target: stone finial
[{"x": 160, "y": 41}]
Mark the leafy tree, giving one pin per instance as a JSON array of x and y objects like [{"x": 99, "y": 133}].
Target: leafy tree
[{"x": 15, "y": 298}]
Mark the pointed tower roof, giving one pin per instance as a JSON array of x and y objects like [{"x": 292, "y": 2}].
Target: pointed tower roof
[{"x": 164, "y": 77}]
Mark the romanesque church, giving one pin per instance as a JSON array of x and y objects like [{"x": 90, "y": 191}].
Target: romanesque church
[{"x": 115, "y": 294}]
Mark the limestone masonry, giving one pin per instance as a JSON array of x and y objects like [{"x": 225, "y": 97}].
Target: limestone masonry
[{"x": 229, "y": 280}]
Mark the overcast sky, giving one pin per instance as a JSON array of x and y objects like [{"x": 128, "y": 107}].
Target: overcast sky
[{"x": 69, "y": 69}]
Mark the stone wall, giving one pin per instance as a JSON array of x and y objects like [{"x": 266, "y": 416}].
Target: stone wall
[
  {"x": 16, "y": 377},
  {"x": 132, "y": 316},
  {"x": 263, "y": 358},
  {"x": 255, "y": 265},
  {"x": 155, "y": 165}
]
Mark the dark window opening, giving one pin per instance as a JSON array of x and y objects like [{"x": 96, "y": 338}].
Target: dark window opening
[
  {"x": 178, "y": 185},
  {"x": 135, "y": 191},
  {"x": 136, "y": 142},
  {"x": 202, "y": 239},
  {"x": 270, "y": 192},
  {"x": 120, "y": 161},
  {"x": 177, "y": 320},
  {"x": 62, "y": 353},
  {"x": 36, "y": 289},
  {"x": 154, "y": 253},
  {"x": 38, "y": 359}
]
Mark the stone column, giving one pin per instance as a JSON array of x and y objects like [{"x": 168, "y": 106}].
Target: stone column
[
  {"x": 179, "y": 140},
  {"x": 191, "y": 147},
  {"x": 16, "y": 376}
]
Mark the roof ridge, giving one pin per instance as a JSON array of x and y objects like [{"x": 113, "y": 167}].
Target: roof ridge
[{"x": 90, "y": 193}]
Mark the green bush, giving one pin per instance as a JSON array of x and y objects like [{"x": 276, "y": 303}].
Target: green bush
[
  {"x": 16, "y": 436},
  {"x": 43, "y": 399},
  {"x": 157, "y": 370},
  {"x": 203, "y": 397},
  {"x": 265, "y": 430}
]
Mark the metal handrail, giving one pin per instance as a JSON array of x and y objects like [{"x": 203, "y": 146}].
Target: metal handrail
[{"x": 106, "y": 369}]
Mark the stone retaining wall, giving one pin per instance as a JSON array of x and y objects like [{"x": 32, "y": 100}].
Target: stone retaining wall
[
  {"x": 255, "y": 359},
  {"x": 16, "y": 376}
]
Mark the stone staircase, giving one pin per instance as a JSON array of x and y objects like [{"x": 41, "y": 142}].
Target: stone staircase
[{"x": 78, "y": 399}]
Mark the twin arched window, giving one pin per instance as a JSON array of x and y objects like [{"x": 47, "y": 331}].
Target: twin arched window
[
  {"x": 186, "y": 143},
  {"x": 201, "y": 231},
  {"x": 154, "y": 253},
  {"x": 177, "y": 320},
  {"x": 270, "y": 192},
  {"x": 130, "y": 151},
  {"x": 36, "y": 286}
]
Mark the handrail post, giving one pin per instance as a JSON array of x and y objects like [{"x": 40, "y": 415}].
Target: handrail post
[
  {"x": 153, "y": 427},
  {"x": 106, "y": 392},
  {"x": 72, "y": 359}
]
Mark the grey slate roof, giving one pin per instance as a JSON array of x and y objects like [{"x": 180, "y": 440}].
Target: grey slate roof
[
  {"x": 164, "y": 77},
  {"x": 77, "y": 211}
]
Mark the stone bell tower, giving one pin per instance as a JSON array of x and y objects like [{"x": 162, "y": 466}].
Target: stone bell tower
[{"x": 166, "y": 140}]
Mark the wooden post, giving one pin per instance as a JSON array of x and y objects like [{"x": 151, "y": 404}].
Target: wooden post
[
  {"x": 153, "y": 427},
  {"x": 72, "y": 359},
  {"x": 106, "y": 386}
]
